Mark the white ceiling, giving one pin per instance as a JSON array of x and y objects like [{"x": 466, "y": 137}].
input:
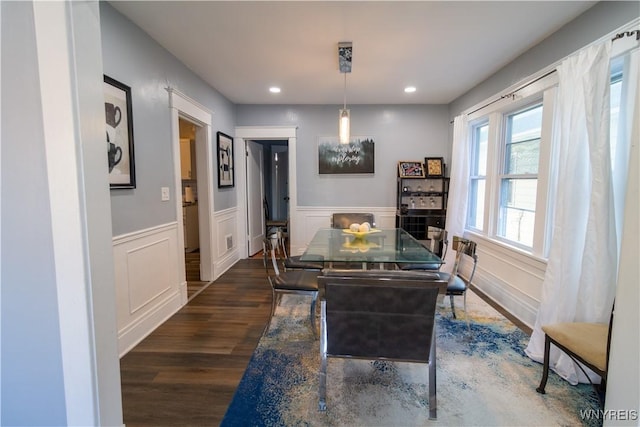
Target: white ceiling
[{"x": 444, "y": 48}]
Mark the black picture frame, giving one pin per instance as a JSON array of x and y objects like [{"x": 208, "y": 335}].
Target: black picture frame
[
  {"x": 410, "y": 169},
  {"x": 434, "y": 167},
  {"x": 119, "y": 134},
  {"x": 225, "y": 160}
]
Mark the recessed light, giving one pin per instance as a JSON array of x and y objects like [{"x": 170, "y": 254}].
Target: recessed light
[
  {"x": 274, "y": 89},
  {"x": 410, "y": 89}
]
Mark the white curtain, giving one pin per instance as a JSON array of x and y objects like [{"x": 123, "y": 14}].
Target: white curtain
[
  {"x": 579, "y": 283},
  {"x": 458, "y": 185}
]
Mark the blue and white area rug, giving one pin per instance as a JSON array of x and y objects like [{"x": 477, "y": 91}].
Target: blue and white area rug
[{"x": 483, "y": 379}]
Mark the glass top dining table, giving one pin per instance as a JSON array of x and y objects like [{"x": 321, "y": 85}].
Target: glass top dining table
[{"x": 383, "y": 246}]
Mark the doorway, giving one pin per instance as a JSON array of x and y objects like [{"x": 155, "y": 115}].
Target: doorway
[
  {"x": 263, "y": 134},
  {"x": 194, "y": 122},
  {"x": 191, "y": 221},
  {"x": 267, "y": 190}
]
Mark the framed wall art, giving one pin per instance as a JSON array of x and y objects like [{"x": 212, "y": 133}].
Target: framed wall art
[
  {"x": 358, "y": 156},
  {"x": 119, "y": 134},
  {"x": 410, "y": 169},
  {"x": 434, "y": 166},
  {"x": 225, "y": 160}
]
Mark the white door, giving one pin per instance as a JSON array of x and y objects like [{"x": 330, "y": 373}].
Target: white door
[{"x": 255, "y": 195}]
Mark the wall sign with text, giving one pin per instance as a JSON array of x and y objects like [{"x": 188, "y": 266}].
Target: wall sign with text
[{"x": 358, "y": 156}]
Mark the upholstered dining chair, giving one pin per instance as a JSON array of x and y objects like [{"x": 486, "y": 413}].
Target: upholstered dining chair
[
  {"x": 459, "y": 280},
  {"x": 300, "y": 282},
  {"x": 293, "y": 262},
  {"x": 379, "y": 314},
  {"x": 345, "y": 219},
  {"x": 439, "y": 239},
  {"x": 585, "y": 343}
]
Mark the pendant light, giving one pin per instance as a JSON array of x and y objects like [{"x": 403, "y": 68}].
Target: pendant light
[
  {"x": 344, "y": 130},
  {"x": 344, "y": 117}
]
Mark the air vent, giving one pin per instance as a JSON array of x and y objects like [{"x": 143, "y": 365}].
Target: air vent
[{"x": 229, "y": 238}]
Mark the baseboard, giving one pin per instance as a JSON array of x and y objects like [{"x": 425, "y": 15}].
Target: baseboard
[
  {"x": 226, "y": 262},
  {"x": 509, "y": 298},
  {"x": 136, "y": 331}
]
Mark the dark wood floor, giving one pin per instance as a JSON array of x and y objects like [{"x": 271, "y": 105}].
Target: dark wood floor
[
  {"x": 186, "y": 371},
  {"x": 192, "y": 271}
]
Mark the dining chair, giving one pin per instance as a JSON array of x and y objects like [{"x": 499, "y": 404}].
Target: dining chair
[
  {"x": 379, "y": 315},
  {"x": 301, "y": 282},
  {"x": 293, "y": 262},
  {"x": 459, "y": 280},
  {"x": 345, "y": 219},
  {"x": 272, "y": 224},
  {"x": 439, "y": 239}
]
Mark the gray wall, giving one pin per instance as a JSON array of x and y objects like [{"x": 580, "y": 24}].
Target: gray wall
[
  {"x": 32, "y": 385},
  {"x": 601, "y": 19},
  {"x": 400, "y": 132},
  {"x": 133, "y": 58}
]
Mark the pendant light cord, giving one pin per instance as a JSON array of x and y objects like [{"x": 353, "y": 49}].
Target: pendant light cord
[{"x": 345, "y": 91}]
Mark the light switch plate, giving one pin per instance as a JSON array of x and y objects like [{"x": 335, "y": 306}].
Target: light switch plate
[{"x": 165, "y": 194}]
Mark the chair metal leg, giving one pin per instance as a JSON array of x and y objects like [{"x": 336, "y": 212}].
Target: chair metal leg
[
  {"x": 453, "y": 308},
  {"x": 545, "y": 369},
  {"x": 274, "y": 299},
  {"x": 466, "y": 314},
  {"x": 433, "y": 403},
  {"x": 312, "y": 316},
  {"x": 322, "y": 389}
]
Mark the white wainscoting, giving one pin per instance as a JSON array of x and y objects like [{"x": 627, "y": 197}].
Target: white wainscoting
[
  {"x": 148, "y": 288},
  {"x": 509, "y": 277},
  {"x": 225, "y": 224},
  {"x": 226, "y": 231}
]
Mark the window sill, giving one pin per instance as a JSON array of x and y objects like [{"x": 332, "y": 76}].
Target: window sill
[{"x": 510, "y": 251}]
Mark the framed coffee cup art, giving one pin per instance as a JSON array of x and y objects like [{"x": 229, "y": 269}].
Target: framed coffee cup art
[{"x": 119, "y": 134}]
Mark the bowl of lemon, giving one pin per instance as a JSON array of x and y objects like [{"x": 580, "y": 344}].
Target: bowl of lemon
[{"x": 360, "y": 230}]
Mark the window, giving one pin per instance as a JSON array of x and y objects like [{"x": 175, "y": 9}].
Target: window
[
  {"x": 519, "y": 177},
  {"x": 510, "y": 164},
  {"x": 477, "y": 185}
]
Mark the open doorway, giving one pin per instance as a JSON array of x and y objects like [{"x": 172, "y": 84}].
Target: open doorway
[
  {"x": 268, "y": 133},
  {"x": 267, "y": 191},
  {"x": 191, "y": 222},
  {"x": 195, "y": 121}
]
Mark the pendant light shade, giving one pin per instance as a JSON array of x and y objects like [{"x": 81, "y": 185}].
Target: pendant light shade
[
  {"x": 344, "y": 126},
  {"x": 344, "y": 118}
]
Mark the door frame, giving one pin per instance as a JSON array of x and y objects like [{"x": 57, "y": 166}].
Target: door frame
[
  {"x": 186, "y": 108},
  {"x": 257, "y": 133}
]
